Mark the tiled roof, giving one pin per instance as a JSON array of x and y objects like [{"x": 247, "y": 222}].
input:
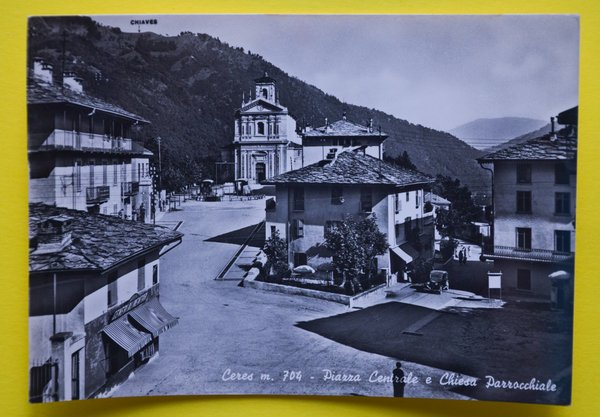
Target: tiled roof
[
  {"x": 265, "y": 79},
  {"x": 39, "y": 93},
  {"x": 343, "y": 128},
  {"x": 436, "y": 199},
  {"x": 98, "y": 241},
  {"x": 542, "y": 148},
  {"x": 352, "y": 167}
]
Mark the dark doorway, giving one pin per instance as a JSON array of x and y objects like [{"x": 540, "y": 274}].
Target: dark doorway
[{"x": 261, "y": 172}]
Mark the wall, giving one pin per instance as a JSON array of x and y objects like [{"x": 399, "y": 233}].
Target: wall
[{"x": 542, "y": 220}]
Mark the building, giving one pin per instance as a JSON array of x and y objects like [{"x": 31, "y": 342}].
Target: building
[
  {"x": 83, "y": 152},
  {"x": 438, "y": 203},
  {"x": 266, "y": 143},
  {"x": 533, "y": 233},
  {"x": 332, "y": 138},
  {"x": 352, "y": 183},
  {"x": 94, "y": 310}
]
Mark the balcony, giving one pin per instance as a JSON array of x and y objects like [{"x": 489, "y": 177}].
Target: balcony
[
  {"x": 130, "y": 188},
  {"x": 97, "y": 195},
  {"x": 71, "y": 140},
  {"x": 534, "y": 255}
]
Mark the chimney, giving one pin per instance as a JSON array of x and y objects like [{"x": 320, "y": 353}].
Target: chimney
[
  {"x": 327, "y": 128},
  {"x": 42, "y": 72},
  {"x": 72, "y": 82},
  {"x": 552, "y": 119},
  {"x": 53, "y": 234},
  {"x": 344, "y": 116},
  {"x": 371, "y": 124}
]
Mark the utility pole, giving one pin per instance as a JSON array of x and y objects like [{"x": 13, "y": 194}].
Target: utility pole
[{"x": 159, "y": 165}]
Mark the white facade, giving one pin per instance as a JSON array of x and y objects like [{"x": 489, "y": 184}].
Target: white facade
[{"x": 265, "y": 142}]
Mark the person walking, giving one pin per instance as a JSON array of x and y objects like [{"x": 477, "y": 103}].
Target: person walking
[
  {"x": 461, "y": 256},
  {"x": 398, "y": 380}
]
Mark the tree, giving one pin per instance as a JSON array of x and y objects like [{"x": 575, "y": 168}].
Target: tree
[
  {"x": 402, "y": 161},
  {"x": 276, "y": 251},
  {"x": 355, "y": 242},
  {"x": 462, "y": 211}
]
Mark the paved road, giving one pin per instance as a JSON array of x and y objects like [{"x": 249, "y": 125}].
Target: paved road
[{"x": 225, "y": 327}]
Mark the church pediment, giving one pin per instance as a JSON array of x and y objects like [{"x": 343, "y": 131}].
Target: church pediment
[{"x": 262, "y": 106}]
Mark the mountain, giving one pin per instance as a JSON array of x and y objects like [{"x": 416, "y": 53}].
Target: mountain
[
  {"x": 486, "y": 133},
  {"x": 520, "y": 139},
  {"x": 190, "y": 85}
]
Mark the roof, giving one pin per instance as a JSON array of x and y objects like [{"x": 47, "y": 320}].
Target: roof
[
  {"x": 40, "y": 93},
  {"x": 352, "y": 168},
  {"x": 343, "y": 128},
  {"x": 545, "y": 148},
  {"x": 99, "y": 241},
  {"x": 265, "y": 79},
  {"x": 436, "y": 199}
]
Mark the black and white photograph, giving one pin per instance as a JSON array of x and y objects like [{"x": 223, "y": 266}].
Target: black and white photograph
[{"x": 336, "y": 205}]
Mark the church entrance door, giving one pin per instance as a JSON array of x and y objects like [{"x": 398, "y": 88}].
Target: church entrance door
[{"x": 261, "y": 172}]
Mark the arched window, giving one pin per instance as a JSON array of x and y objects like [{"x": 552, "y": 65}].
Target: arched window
[
  {"x": 265, "y": 93},
  {"x": 261, "y": 128}
]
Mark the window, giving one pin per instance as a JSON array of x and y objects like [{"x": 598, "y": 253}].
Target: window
[
  {"x": 298, "y": 204},
  {"x": 524, "y": 238},
  {"x": 524, "y": 174},
  {"x": 524, "y": 279},
  {"x": 562, "y": 203},
  {"x": 417, "y": 199},
  {"x": 299, "y": 258},
  {"x": 264, "y": 93},
  {"x": 123, "y": 172},
  {"x": 407, "y": 226},
  {"x": 104, "y": 173},
  {"x": 77, "y": 176},
  {"x": 366, "y": 200},
  {"x": 155, "y": 274},
  {"x": 273, "y": 230},
  {"x": 407, "y": 196},
  {"x": 141, "y": 274},
  {"x": 112, "y": 289},
  {"x": 92, "y": 166},
  {"x": 562, "y": 241},
  {"x": 260, "y": 128},
  {"x": 337, "y": 195},
  {"x": 298, "y": 225},
  {"x": 397, "y": 203},
  {"x": 561, "y": 174},
  {"x": 115, "y": 175},
  {"x": 523, "y": 201}
]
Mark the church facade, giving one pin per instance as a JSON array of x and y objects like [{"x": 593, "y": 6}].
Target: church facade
[{"x": 266, "y": 143}]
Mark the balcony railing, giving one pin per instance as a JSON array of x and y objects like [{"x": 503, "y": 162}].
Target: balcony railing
[
  {"x": 130, "y": 188},
  {"x": 536, "y": 255},
  {"x": 97, "y": 195},
  {"x": 63, "y": 139}
]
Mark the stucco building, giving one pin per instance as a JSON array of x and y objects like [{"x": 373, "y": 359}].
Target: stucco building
[
  {"x": 84, "y": 153},
  {"x": 352, "y": 183},
  {"x": 265, "y": 143},
  {"x": 533, "y": 234},
  {"x": 94, "y": 310},
  {"x": 333, "y": 138}
]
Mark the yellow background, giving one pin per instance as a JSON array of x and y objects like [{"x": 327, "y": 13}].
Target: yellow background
[{"x": 13, "y": 220}]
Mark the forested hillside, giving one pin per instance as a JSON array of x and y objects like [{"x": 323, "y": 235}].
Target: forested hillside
[{"x": 190, "y": 85}]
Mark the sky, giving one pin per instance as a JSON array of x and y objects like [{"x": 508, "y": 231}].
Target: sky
[{"x": 438, "y": 71}]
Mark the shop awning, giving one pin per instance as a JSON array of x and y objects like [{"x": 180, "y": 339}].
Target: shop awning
[
  {"x": 125, "y": 335},
  {"x": 153, "y": 317},
  {"x": 401, "y": 254},
  {"x": 560, "y": 276}
]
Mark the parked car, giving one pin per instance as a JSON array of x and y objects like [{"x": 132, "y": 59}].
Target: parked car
[{"x": 438, "y": 281}]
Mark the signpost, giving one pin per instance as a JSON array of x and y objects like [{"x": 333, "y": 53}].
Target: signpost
[{"x": 494, "y": 282}]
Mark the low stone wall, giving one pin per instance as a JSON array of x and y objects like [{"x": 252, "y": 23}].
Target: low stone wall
[
  {"x": 351, "y": 301},
  {"x": 366, "y": 298}
]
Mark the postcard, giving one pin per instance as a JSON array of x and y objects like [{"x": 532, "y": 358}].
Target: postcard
[{"x": 342, "y": 205}]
